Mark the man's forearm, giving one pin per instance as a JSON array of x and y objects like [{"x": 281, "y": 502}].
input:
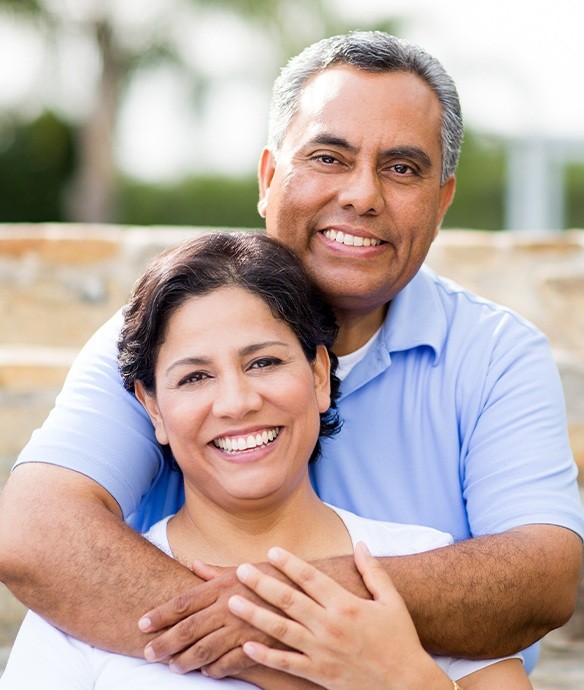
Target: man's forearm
[
  {"x": 488, "y": 596},
  {"x": 73, "y": 560}
]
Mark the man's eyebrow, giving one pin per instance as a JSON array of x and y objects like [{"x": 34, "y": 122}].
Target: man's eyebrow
[
  {"x": 413, "y": 152},
  {"x": 330, "y": 140}
]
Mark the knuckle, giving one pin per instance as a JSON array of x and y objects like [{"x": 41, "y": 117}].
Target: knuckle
[
  {"x": 305, "y": 577},
  {"x": 185, "y": 631},
  {"x": 286, "y": 600},
  {"x": 279, "y": 629},
  {"x": 182, "y": 604}
]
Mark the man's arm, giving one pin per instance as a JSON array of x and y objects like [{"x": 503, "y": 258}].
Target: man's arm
[
  {"x": 66, "y": 553},
  {"x": 482, "y": 598}
]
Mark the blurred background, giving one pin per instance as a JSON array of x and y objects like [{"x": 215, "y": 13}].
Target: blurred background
[{"x": 155, "y": 111}]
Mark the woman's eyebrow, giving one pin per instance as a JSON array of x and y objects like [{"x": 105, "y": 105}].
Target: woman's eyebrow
[{"x": 251, "y": 349}]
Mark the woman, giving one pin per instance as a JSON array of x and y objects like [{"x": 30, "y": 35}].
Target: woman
[{"x": 227, "y": 346}]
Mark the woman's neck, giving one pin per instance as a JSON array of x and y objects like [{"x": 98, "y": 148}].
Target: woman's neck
[{"x": 228, "y": 536}]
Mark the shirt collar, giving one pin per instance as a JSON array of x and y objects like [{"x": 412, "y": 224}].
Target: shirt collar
[{"x": 416, "y": 316}]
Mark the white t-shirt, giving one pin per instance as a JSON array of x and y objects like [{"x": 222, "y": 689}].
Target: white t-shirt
[{"x": 44, "y": 658}]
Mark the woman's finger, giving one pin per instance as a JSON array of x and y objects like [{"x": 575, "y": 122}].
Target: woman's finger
[
  {"x": 377, "y": 581},
  {"x": 294, "y": 603},
  {"x": 318, "y": 586},
  {"x": 283, "y": 629}
]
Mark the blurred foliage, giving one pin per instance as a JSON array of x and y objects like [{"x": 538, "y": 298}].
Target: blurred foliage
[
  {"x": 36, "y": 164},
  {"x": 202, "y": 201},
  {"x": 575, "y": 197},
  {"x": 480, "y": 186}
]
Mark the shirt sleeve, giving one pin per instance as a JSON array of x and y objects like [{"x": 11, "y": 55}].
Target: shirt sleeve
[
  {"x": 517, "y": 462},
  {"x": 99, "y": 429}
]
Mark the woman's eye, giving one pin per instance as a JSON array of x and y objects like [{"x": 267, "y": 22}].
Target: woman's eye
[
  {"x": 264, "y": 362},
  {"x": 193, "y": 377}
]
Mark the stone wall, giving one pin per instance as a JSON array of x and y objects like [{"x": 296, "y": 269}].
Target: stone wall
[{"x": 59, "y": 283}]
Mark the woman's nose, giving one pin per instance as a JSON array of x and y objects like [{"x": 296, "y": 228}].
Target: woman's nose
[{"x": 236, "y": 397}]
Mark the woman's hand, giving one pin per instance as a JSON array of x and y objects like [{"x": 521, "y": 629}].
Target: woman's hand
[{"x": 342, "y": 642}]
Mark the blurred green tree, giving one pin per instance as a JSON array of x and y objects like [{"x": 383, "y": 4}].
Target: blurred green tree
[{"x": 125, "y": 44}]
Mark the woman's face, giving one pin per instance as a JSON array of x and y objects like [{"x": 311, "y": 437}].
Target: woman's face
[{"x": 236, "y": 399}]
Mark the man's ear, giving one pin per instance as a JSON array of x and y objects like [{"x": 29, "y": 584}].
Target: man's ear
[
  {"x": 446, "y": 197},
  {"x": 266, "y": 168},
  {"x": 321, "y": 371},
  {"x": 151, "y": 406}
]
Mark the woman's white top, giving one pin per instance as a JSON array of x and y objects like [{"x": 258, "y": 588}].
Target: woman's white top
[{"x": 44, "y": 658}]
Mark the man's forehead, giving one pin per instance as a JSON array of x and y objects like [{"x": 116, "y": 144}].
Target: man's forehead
[{"x": 342, "y": 100}]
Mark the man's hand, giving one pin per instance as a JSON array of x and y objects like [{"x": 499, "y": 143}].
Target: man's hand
[{"x": 199, "y": 630}]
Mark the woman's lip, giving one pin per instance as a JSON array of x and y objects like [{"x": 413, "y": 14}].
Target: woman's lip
[{"x": 245, "y": 441}]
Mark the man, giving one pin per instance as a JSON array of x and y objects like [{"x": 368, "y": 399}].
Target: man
[{"x": 452, "y": 407}]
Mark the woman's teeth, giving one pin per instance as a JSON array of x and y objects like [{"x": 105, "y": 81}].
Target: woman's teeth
[{"x": 233, "y": 444}]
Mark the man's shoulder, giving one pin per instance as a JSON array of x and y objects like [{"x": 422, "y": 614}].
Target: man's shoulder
[{"x": 462, "y": 304}]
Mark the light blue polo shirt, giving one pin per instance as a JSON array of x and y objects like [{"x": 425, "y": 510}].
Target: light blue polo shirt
[{"x": 454, "y": 419}]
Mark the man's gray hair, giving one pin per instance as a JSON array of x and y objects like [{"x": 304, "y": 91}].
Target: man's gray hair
[{"x": 373, "y": 51}]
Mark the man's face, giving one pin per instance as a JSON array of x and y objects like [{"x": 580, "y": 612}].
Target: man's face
[{"x": 355, "y": 191}]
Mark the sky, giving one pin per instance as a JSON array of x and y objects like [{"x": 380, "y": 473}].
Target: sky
[{"x": 518, "y": 66}]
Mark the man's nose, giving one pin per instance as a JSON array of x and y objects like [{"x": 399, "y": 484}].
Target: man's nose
[
  {"x": 236, "y": 397},
  {"x": 362, "y": 190}
]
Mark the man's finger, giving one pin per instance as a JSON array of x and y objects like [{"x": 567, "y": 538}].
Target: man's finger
[
  {"x": 185, "y": 634},
  {"x": 231, "y": 664},
  {"x": 178, "y": 608}
]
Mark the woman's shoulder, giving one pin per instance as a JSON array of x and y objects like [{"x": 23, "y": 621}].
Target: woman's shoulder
[{"x": 392, "y": 538}]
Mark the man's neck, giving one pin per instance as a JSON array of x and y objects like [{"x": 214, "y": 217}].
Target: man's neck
[{"x": 356, "y": 328}]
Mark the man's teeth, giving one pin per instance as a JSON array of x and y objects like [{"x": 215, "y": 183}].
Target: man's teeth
[
  {"x": 351, "y": 240},
  {"x": 236, "y": 443}
]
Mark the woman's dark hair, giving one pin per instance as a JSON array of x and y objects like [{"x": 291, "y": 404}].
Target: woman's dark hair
[{"x": 197, "y": 267}]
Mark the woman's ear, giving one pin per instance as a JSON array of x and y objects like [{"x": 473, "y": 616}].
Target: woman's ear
[
  {"x": 151, "y": 406},
  {"x": 321, "y": 371}
]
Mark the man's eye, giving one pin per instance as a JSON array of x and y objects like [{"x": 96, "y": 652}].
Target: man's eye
[
  {"x": 402, "y": 169},
  {"x": 326, "y": 159}
]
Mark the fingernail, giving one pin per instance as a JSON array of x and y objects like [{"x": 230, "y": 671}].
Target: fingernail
[
  {"x": 363, "y": 546},
  {"x": 249, "y": 648},
  {"x": 236, "y": 603},
  {"x": 149, "y": 654},
  {"x": 173, "y": 667},
  {"x": 144, "y": 624},
  {"x": 274, "y": 554},
  {"x": 243, "y": 571}
]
